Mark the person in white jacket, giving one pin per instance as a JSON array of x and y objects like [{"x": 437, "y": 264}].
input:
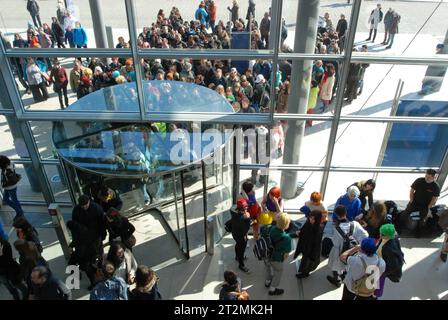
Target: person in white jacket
[
  {"x": 327, "y": 84},
  {"x": 376, "y": 16},
  {"x": 337, "y": 267}
]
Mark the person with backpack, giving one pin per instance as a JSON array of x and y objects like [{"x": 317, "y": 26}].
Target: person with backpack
[
  {"x": 281, "y": 247},
  {"x": 240, "y": 227},
  {"x": 10, "y": 179},
  {"x": 363, "y": 271},
  {"x": 346, "y": 235},
  {"x": 389, "y": 249},
  {"x": 309, "y": 244}
]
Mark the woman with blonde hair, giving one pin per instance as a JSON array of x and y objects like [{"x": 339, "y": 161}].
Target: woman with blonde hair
[{"x": 281, "y": 242}]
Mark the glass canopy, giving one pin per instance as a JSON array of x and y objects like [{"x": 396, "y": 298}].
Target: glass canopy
[{"x": 137, "y": 150}]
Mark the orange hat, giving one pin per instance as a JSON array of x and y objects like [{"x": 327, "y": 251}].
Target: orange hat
[{"x": 276, "y": 192}]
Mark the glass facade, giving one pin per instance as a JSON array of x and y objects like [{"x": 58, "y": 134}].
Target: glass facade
[{"x": 349, "y": 138}]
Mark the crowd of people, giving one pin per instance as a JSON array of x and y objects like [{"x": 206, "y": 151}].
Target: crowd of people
[{"x": 365, "y": 235}]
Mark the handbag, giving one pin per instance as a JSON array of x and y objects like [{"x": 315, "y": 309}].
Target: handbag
[
  {"x": 10, "y": 177},
  {"x": 130, "y": 242}
]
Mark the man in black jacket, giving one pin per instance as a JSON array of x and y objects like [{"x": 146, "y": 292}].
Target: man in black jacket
[
  {"x": 240, "y": 228},
  {"x": 47, "y": 287},
  {"x": 90, "y": 215},
  {"x": 10, "y": 272}
]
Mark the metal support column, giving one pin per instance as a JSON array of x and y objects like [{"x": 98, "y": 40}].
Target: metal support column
[
  {"x": 340, "y": 94},
  {"x": 98, "y": 23},
  {"x": 304, "y": 42},
  {"x": 443, "y": 171},
  {"x": 130, "y": 13}
]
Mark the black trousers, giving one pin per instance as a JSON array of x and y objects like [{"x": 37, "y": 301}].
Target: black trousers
[
  {"x": 240, "y": 248},
  {"x": 60, "y": 91},
  {"x": 36, "y": 19}
]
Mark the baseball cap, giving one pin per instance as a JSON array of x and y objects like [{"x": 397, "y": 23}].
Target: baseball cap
[{"x": 259, "y": 79}]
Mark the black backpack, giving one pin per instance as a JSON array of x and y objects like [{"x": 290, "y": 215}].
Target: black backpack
[{"x": 349, "y": 240}]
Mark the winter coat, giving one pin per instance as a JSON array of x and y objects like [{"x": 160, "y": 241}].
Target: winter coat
[
  {"x": 93, "y": 218},
  {"x": 376, "y": 16},
  {"x": 388, "y": 20},
  {"x": 33, "y": 7},
  {"x": 394, "y": 24},
  {"x": 234, "y": 13},
  {"x": 310, "y": 241},
  {"x": 121, "y": 228},
  {"x": 240, "y": 226},
  {"x": 80, "y": 36},
  {"x": 58, "y": 32}
]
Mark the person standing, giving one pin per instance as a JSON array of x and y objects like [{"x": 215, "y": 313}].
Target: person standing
[
  {"x": 264, "y": 29},
  {"x": 251, "y": 10},
  {"x": 240, "y": 228},
  {"x": 59, "y": 78},
  {"x": 146, "y": 285},
  {"x": 234, "y": 15},
  {"x": 376, "y": 16},
  {"x": 422, "y": 197},
  {"x": 110, "y": 287},
  {"x": 342, "y": 229},
  {"x": 341, "y": 29},
  {"x": 393, "y": 29},
  {"x": 79, "y": 36},
  {"x": 36, "y": 81},
  {"x": 356, "y": 284},
  {"x": 309, "y": 244},
  {"x": 90, "y": 216},
  {"x": 58, "y": 32},
  {"x": 9, "y": 181},
  {"x": 33, "y": 8},
  {"x": 282, "y": 247},
  {"x": 212, "y": 15},
  {"x": 10, "y": 275},
  {"x": 387, "y": 25}
]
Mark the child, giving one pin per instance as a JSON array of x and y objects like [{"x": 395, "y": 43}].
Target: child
[
  {"x": 254, "y": 209},
  {"x": 229, "y": 95},
  {"x": 312, "y": 100}
]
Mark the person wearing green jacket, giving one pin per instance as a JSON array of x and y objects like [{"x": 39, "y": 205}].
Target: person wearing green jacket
[{"x": 281, "y": 242}]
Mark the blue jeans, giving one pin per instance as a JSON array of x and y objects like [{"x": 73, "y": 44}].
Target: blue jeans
[
  {"x": 10, "y": 197},
  {"x": 390, "y": 41}
]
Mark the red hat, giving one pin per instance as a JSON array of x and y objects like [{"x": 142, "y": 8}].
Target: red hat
[{"x": 241, "y": 203}]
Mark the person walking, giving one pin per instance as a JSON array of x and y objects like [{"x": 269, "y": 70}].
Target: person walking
[
  {"x": 393, "y": 29},
  {"x": 251, "y": 10},
  {"x": 376, "y": 16},
  {"x": 46, "y": 287},
  {"x": 36, "y": 81},
  {"x": 240, "y": 227},
  {"x": 120, "y": 228},
  {"x": 33, "y": 8},
  {"x": 9, "y": 180},
  {"x": 58, "y": 76},
  {"x": 234, "y": 15}
]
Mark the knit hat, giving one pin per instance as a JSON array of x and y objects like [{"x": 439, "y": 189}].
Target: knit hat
[
  {"x": 368, "y": 246},
  {"x": 388, "y": 230}
]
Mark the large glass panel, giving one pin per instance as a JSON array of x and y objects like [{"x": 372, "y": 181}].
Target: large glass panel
[
  {"x": 331, "y": 28},
  {"x": 84, "y": 86},
  {"x": 186, "y": 25},
  {"x": 313, "y": 146},
  {"x": 12, "y": 146},
  {"x": 42, "y": 132},
  {"x": 413, "y": 27},
  {"x": 63, "y": 31},
  {"x": 391, "y": 145},
  {"x": 58, "y": 183},
  {"x": 371, "y": 89}
]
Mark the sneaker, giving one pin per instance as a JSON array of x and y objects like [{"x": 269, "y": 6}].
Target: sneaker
[
  {"x": 333, "y": 281},
  {"x": 276, "y": 292},
  {"x": 244, "y": 269},
  {"x": 443, "y": 256},
  {"x": 267, "y": 283}
]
